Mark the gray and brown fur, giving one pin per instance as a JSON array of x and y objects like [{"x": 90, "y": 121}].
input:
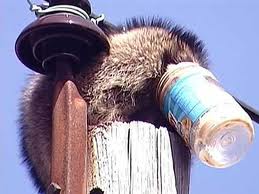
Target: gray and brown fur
[{"x": 117, "y": 87}]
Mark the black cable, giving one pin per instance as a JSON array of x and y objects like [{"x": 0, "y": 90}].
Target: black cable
[{"x": 253, "y": 113}]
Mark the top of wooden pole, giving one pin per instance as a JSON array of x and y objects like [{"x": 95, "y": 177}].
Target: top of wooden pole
[{"x": 136, "y": 158}]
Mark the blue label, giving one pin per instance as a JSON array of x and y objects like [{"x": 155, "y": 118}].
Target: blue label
[{"x": 182, "y": 99}]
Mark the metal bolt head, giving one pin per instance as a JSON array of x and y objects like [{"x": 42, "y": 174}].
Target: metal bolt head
[{"x": 54, "y": 188}]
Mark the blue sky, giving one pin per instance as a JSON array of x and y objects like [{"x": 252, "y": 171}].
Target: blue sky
[{"x": 230, "y": 31}]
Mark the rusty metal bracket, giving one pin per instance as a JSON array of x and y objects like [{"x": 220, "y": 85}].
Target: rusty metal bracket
[{"x": 69, "y": 134}]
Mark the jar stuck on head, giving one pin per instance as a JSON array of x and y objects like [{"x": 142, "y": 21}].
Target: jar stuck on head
[{"x": 209, "y": 119}]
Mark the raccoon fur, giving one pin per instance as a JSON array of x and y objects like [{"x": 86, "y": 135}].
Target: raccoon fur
[{"x": 117, "y": 87}]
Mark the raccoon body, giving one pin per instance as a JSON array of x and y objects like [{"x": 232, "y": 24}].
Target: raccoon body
[{"x": 117, "y": 87}]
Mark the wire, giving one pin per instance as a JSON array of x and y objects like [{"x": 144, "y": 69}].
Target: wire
[
  {"x": 253, "y": 113},
  {"x": 44, "y": 8}
]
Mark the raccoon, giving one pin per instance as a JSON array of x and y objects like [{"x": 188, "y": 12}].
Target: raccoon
[{"x": 117, "y": 87}]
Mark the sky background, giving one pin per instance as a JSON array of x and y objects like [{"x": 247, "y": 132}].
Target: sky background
[{"x": 230, "y": 31}]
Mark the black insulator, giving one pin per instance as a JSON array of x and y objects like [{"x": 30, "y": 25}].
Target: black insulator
[{"x": 60, "y": 34}]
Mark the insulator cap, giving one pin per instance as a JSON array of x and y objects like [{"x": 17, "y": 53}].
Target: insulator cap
[{"x": 60, "y": 33}]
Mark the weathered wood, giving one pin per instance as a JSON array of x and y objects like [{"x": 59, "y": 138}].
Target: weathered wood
[{"x": 131, "y": 158}]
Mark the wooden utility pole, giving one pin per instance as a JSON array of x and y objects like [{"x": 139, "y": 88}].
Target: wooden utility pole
[{"x": 135, "y": 158}]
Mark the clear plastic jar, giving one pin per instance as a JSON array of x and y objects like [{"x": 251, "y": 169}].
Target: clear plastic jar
[{"x": 212, "y": 123}]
